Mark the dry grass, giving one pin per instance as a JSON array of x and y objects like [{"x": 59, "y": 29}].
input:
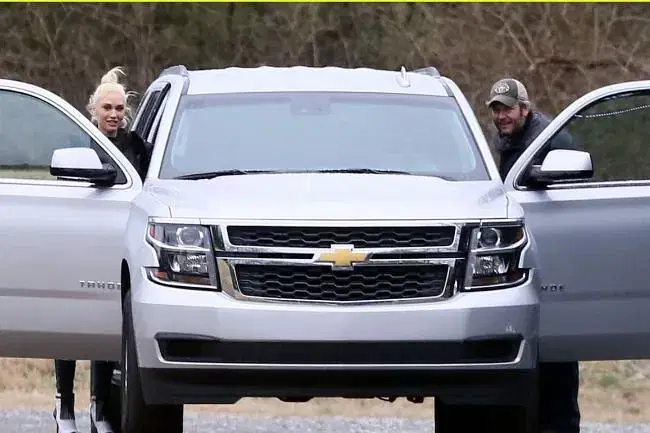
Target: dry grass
[{"x": 611, "y": 391}]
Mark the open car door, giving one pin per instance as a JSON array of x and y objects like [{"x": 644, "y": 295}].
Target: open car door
[
  {"x": 62, "y": 229},
  {"x": 589, "y": 213}
]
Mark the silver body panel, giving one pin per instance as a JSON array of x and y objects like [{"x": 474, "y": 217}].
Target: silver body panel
[{"x": 55, "y": 234}]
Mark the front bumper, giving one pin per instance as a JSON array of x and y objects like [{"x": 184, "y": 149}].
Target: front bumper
[{"x": 206, "y": 347}]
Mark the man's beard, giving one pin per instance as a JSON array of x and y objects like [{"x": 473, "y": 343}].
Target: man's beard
[{"x": 518, "y": 126}]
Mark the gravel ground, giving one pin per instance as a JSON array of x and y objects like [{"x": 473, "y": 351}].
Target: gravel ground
[{"x": 21, "y": 421}]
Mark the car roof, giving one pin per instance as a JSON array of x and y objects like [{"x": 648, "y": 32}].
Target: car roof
[{"x": 314, "y": 79}]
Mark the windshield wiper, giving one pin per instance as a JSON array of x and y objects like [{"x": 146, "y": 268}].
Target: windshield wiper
[
  {"x": 381, "y": 171},
  {"x": 361, "y": 171},
  {"x": 213, "y": 174},
  {"x": 236, "y": 172}
]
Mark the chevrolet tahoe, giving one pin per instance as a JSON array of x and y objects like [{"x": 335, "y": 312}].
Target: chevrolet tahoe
[{"x": 313, "y": 232}]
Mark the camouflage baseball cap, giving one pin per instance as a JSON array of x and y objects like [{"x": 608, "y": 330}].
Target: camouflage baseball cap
[{"x": 509, "y": 92}]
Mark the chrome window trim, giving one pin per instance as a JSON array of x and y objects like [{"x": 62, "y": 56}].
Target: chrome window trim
[
  {"x": 63, "y": 183},
  {"x": 586, "y": 185}
]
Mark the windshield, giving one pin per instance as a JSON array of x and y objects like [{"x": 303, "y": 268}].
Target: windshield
[{"x": 321, "y": 131}]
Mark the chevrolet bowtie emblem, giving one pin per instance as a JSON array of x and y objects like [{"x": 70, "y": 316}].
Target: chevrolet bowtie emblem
[{"x": 341, "y": 256}]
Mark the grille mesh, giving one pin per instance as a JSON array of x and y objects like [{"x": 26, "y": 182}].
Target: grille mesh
[{"x": 322, "y": 283}]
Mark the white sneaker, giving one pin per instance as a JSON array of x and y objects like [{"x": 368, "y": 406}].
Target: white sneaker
[
  {"x": 98, "y": 421},
  {"x": 64, "y": 415}
]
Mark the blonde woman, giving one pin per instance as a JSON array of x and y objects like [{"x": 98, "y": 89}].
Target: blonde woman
[{"x": 109, "y": 110}]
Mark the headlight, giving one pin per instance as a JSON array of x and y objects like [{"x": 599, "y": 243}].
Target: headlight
[
  {"x": 495, "y": 255},
  {"x": 184, "y": 255}
]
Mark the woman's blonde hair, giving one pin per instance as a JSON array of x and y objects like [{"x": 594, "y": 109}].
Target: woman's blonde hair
[{"x": 110, "y": 83}]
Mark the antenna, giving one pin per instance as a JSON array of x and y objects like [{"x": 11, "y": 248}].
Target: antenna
[{"x": 403, "y": 79}]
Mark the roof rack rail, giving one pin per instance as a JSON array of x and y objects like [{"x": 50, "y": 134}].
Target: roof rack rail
[
  {"x": 429, "y": 70},
  {"x": 175, "y": 70}
]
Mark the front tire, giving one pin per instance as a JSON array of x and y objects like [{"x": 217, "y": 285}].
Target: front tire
[
  {"x": 454, "y": 418},
  {"x": 515, "y": 416},
  {"x": 138, "y": 416}
]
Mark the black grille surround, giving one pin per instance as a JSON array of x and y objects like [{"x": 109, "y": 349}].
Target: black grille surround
[
  {"x": 184, "y": 348},
  {"x": 326, "y": 284},
  {"x": 325, "y": 237}
]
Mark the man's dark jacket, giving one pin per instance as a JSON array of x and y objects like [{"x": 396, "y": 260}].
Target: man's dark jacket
[{"x": 510, "y": 147}]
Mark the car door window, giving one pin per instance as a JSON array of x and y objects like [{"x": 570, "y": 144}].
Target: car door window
[
  {"x": 616, "y": 132},
  {"x": 31, "y": 130}
]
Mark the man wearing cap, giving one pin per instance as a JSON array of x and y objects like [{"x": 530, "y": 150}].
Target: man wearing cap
[
  {"x": 517, "y": 123},
  {"x": 517, "y": 126}
]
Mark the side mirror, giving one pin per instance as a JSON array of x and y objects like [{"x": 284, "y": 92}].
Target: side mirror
[
  {"x": 562, "y": 164},
  {"x": 81, "y": 164}
]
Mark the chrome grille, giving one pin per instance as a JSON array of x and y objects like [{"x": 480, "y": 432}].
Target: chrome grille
[
  {"x": 322, "y": 283},
  {"x": 284, "y": 262},
  {"x": 324, "y": 237}
]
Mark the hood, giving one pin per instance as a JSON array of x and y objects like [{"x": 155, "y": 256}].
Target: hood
[{"x": 330, "y": 196}]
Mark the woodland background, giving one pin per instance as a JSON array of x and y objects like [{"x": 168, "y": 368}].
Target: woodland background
[{"x": 560, "y": 51}]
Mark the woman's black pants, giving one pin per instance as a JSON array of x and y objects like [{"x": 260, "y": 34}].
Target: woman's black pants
[{"x": 101, "y": 373}]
